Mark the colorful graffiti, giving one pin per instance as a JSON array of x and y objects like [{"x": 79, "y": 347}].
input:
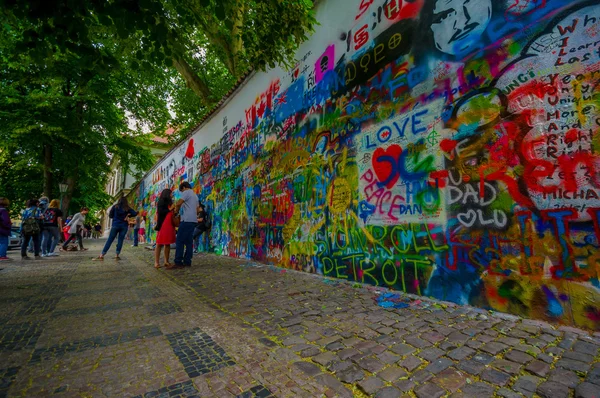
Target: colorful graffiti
[{"x": 441, "y": 147}]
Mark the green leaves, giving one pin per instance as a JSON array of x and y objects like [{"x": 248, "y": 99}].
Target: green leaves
[
  {"x": 220, "y": 10},
  {"x": 89, "y": 77}
]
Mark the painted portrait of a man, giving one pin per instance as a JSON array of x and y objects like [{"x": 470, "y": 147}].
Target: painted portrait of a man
[{"x": 457, "y": 25}]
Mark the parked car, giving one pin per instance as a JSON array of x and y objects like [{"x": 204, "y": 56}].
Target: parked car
[{"x": 15, "y": 239}]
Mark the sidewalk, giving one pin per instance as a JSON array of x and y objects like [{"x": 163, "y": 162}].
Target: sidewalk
[{"x": 227, "y": 327}]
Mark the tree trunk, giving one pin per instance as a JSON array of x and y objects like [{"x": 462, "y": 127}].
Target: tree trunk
[
  {"x": 236, "y": 33},
  {"x": 66, "y": 202},
  {"x": 48, "y": 180},
  {"x": 192, "y": 79}
]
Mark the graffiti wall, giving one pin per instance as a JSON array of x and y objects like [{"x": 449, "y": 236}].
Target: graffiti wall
[{"x": 446, "y": 148}]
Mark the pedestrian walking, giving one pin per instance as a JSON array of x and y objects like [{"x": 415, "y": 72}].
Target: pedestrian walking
[
  {"x": 120, "y": 214},
  {"x": 87, "y": 231},
  {"x": 52, "y": 220},
  {"x": 5, "y": 228},
  {"x": 136, "y": 230},
  {"x": 42, "y": 206},
  {"x": 165, "y": 227},
  {"x": 187, "y": 208},
  {"x": 97, "y": 231},
  {"x": 203, "y": 227},
  {"x": 30, "y": 228},
  {"x": 76, "y": 228}
]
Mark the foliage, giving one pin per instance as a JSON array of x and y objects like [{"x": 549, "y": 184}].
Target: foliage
[
  {"x": 74, "y": 107},
  {"x": 83, "y": 81},
  {"x": 190, "y": 35},
  {"x": 19, "y": 179}
]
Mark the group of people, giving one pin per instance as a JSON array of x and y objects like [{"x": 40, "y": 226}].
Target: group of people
[
  {"x": 190, "y": 218},
  {"x": 41, "y": 226},
  {"x": 181, "y": 223}
]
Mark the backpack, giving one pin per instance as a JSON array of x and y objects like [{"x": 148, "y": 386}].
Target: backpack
[
  {"x": 30, "y": 226},
  {"x": 50, "y": 216},
  {"x": 207, "y": 222}
]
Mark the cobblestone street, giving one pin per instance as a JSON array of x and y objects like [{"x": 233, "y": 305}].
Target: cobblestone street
[{"x": 226, "y": 327}]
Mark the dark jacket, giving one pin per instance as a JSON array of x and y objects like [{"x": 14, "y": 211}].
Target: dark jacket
[
  {"x": 202, "y": 214},
  {"x": 5, "y": 222},
  {"x": 119, "y": 216}
]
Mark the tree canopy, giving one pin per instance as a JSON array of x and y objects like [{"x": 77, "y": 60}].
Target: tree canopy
[
  {"x": 84, "y": 81},
  {"x": 189, "y": 35}
]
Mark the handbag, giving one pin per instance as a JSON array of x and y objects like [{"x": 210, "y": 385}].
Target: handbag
[{"x": 175, "y": 220}]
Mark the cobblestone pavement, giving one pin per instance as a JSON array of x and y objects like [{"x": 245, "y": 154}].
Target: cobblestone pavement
[{"x": 230, "y": 328}]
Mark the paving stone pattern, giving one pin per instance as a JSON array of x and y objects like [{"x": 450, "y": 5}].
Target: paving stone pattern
[
  {"x": 198, "y": 353},
  {"x": 7, "y": 376},
  {"x": 232, "y": 328},
  {"x": 178, "y": 390},
  {"x": 95, "y": 342},
  {"x": 164, "y": 308},
  {"x": 17, "y": 336},
  {"x": 257, "y": 391}
]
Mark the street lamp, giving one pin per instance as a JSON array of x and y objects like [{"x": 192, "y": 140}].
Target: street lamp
[{"x": 62, "y": 188}]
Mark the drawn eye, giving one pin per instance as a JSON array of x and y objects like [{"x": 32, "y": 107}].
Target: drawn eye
[{"x": 442, "y": 16}]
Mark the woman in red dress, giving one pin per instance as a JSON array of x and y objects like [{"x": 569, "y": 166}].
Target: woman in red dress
[{"x": 164, "y": 226}]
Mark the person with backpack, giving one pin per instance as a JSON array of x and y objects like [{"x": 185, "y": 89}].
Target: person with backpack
[
  {"x": 75, "y": 228},
  {"x": 204, "y": 225},
  {"x": 30, "y": 228},
  {"x": 52, "y": 220},
  {"x": 42, "y": 206},
  {"x": 120, "y": 214},
  {"x": 5, "y": 228}
]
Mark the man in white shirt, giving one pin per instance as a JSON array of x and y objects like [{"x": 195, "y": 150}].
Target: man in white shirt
[{"x": 187, "y": 206}]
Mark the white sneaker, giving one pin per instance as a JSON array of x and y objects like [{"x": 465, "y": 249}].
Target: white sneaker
[{"x": 44, "y": 255}]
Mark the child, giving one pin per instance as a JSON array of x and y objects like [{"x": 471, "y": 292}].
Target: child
[
  {"x": 5, "y": 225},
  {"x": 142, "y": 231}
]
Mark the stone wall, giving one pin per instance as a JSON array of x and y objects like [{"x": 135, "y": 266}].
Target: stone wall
[{"x": 441, "y": 147}]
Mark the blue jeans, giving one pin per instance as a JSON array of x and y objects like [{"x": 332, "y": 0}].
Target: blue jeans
[
  {"x": 135, "y": 236},
  {"x": 185, "y": 238},
  {"x": 121, "y": 231},
  {"x": 50, "y": 238},
  {"x": 3, "y": 245},
  {"x": 201, "y": 240},
  {"x": 36, "y": 244}
]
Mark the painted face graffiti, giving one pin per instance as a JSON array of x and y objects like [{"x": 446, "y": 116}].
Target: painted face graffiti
[{"x": 458, "y": 24}]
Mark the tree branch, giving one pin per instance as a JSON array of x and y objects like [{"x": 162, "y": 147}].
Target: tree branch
[
  {"x": 191, "y": 78},
  {"x": 237, "y": 43}
]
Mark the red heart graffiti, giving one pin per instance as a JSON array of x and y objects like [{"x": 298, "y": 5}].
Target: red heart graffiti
[{"x": 383, "y": 166}]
